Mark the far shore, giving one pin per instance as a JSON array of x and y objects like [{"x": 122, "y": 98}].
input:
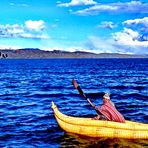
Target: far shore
[{"x": 31, "y": 53}]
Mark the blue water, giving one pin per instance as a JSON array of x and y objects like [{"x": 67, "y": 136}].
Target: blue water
[{"x": 27, "y": 88}]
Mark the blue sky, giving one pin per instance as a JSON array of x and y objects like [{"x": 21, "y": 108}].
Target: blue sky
[{"x": 89, "y": 25}]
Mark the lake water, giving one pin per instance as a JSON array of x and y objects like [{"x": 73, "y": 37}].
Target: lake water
[{"x": 27, "y": 88}]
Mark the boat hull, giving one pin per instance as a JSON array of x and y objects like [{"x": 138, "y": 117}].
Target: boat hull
[{"x": 98, "y": 128}]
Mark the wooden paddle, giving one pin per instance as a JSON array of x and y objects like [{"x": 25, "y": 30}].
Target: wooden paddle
[{"x": 74, "y": 82}]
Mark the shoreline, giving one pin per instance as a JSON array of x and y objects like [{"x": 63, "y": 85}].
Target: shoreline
[{"x": 57, "y": 54}]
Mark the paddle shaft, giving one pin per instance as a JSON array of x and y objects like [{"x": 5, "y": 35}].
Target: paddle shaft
[{"x": 74, "y": 82}]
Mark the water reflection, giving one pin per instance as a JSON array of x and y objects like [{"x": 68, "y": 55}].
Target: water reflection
[{"x": 69, "y": 140}]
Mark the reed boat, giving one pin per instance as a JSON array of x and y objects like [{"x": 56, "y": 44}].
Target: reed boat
[{"x": 99, "y": 128}]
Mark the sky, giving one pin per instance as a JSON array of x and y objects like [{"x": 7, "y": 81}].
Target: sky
[{"x": 99, "y": 26}]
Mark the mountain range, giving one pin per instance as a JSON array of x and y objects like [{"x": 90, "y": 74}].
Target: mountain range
[{"x": 35, "y": 53}]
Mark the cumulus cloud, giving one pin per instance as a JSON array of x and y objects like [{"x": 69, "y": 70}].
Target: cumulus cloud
[
  {"x": 119, "y": 7},
  {"x": 134, "y": 35},
  {"x": 35, "y": 25},
  {"x": 99, "y": 45},
  {"x": 132, "y": 39},
  {"x": 142, "y": 21},
  {"x": 30, "y": 29},
  {"x": 77, "y": 3},
  {"x": 140, "y": 25},
  {"x": 127, "y": 36},
  {"x": 109, "y": 25}
]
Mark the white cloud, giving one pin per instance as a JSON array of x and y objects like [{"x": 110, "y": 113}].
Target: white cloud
[
  {"x": 140, "y": 25},
  {"x": 109, "y": 25},
  {"x": 124, "y": 46},
  {"x": 31, "y": 29},
  {"x": 129, "y": 39},
  {"x": 11, "y": 30},
  {"x": 18, "y": 4},
  {"x": 3, "y": 47},
  {"x": 98, "y": 45},
  {"x": 132, "y": 39},
  {"x": 77, "y": 3},
  {"x": 127, "y": 36},
  {"x": 35, "y": 25},
  {"x": 119, "y": 7},
  {"x": 137, "y": 21},
  {"x": 96, "y": 9}
]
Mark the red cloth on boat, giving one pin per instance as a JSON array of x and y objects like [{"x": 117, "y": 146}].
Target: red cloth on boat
[{"x": 110, "y": 112}]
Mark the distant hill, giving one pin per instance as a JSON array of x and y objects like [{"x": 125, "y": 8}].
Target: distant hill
[{"x": 35, "y": 53}]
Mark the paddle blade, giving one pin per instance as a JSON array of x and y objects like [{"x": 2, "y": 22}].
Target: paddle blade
[{"x": 74, "y": 82}]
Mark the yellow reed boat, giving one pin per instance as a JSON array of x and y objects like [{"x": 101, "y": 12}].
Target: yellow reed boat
[{"x": 98, "y": 128}]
